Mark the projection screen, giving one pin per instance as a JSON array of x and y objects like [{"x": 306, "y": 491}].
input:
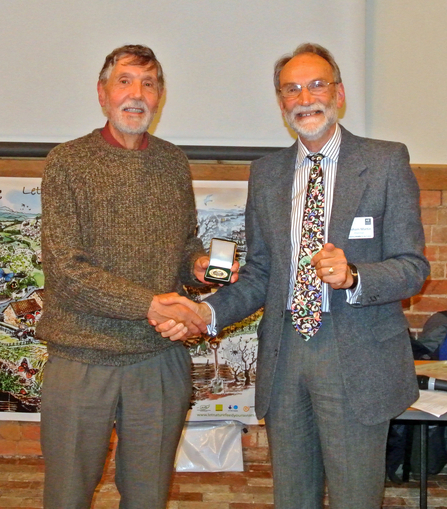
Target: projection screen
[{"x": 218, "y": 59}]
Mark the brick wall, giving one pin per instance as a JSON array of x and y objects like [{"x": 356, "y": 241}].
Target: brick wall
[
  {"x": 20, "y": 438},
  {"x": 254, "y": 485},
  {"x": 433, "y": 297},
  {"x": 190, "y": 490}
]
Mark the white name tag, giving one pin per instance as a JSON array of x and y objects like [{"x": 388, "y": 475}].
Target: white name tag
[{"x": 362, "y": 228}]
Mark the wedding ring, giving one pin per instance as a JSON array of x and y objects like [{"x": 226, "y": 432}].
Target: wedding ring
[{"x": 331, "y": 270}]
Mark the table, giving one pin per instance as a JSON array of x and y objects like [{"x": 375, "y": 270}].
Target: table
[{"x": 424, "y": 419}]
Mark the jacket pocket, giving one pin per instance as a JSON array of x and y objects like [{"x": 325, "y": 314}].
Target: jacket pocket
[{"x": 389, "y": 327}]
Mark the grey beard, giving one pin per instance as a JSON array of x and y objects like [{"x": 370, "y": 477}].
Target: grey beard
[
  {"x": 313, "y": 133},
  {"x": 119, "y": 123},
  {"x": 124, "y": 128}
]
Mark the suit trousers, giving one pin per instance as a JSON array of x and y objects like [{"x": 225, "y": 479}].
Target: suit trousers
[
  {"x": 80, "y": 403},
  {"x": 312, "y": 431}
]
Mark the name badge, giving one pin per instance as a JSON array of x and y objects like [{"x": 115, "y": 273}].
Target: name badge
[{"x": 362, "y": 228}]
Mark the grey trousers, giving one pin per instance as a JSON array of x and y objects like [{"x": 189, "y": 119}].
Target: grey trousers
[
  {"x": 80, "y": 403},
  {"x": 312, "y": 432}
]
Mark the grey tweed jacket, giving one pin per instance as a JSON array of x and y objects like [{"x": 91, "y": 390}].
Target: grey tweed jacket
[{"x": 374, "y": 179}]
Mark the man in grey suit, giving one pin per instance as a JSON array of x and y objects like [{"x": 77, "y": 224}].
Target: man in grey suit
[{"x": 327, "y": 398}]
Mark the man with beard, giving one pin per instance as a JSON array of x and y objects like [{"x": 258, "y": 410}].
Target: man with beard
[
  {"x": 334, "y": 245},
  {"x": 118, "y": 231}
]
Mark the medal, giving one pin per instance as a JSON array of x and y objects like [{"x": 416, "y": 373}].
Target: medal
[{"x": 218, "y": 273}]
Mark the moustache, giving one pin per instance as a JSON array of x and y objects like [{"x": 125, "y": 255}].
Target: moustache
[
  {"x": 135, "y": 104},
  {"x": 317, "y": 106}
]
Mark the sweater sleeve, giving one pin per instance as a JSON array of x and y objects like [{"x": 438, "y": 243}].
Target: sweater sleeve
[{"x": 70, "y": 273}]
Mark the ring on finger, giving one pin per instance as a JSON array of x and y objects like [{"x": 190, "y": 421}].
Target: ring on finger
[{"x": 331, "y": 270}]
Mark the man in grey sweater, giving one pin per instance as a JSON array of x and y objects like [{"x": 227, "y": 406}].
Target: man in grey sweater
[{"x": 118, "y": 231}]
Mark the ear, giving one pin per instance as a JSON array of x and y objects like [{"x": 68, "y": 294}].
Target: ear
[
  {"x": 101, "y": 94},
  {"x": 161, "y": 97},
  {"x": 340, "y": 95}
]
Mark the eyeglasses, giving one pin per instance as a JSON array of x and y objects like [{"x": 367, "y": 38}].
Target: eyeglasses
[{"x": 316, "y": 87}]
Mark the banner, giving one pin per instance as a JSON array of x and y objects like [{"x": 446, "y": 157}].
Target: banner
[
  {"x": 223, "y": 369},
  {"x": 22, "y": 357}
]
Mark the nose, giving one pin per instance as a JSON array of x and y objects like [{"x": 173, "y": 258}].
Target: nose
[
  {"x": 136, "y": 90},
  {"x": 305, "y": 98}
]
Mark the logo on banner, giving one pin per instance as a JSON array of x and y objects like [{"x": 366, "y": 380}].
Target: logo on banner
[{"x": 219, "y": 408}]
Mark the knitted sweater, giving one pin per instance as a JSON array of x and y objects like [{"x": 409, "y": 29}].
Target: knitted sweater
[{"x": 118, "y": 227}]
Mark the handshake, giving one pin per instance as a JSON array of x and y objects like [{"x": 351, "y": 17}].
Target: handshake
[{"x": 179, "y": 318}]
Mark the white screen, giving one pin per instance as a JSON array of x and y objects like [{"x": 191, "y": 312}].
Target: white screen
[{"x": 218, "y": 58}]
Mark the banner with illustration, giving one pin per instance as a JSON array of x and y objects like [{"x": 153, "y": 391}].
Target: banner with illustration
[
  {"x": 223, "y": 368},
  {"x": 22, "y": 357}
]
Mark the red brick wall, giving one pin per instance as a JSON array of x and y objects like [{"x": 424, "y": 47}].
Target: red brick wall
[
  {"x": 19, "y": 438},
  {"x": 433, "y": 183}
]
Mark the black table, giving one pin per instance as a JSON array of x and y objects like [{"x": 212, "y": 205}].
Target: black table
[{"x": 424, "y": 420}]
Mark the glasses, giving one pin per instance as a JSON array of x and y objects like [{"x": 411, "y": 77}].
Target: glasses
[{"x": 316, "y": 87}]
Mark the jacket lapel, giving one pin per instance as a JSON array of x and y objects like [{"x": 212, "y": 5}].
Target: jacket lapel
[
  {"x": 278, "y": 201},
  {"x": 349, "y": 187}
]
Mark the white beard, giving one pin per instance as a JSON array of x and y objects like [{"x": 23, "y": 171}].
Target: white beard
[
  {"x": 313, "y": 127},
  {"x": 118, "y": 118}
]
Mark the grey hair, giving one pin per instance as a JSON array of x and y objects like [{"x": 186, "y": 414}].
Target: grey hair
[
  {"x": 141, "y": 55},
  {"x": 307, "y": 47}
]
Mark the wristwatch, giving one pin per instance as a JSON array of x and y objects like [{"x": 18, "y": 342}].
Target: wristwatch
[{"x": 354, "y": 274}]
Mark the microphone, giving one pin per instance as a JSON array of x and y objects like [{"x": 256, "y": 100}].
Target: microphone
[{"x": 431, "y": 384}]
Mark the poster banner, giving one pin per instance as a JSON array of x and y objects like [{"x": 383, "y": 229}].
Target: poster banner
[
  {"x": 22, "y": 357},
  {"x": 223, "y": 368}
]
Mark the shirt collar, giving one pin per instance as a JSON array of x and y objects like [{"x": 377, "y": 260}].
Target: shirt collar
[
  {"x": 108, "y": 136},
  {"x": 331, "y": 149}
]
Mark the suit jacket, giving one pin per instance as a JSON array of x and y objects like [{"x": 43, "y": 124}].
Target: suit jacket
[{"x": 374, "y": 179}]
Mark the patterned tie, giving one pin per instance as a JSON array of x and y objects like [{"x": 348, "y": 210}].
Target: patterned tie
[{"x": 306, "y": 301}]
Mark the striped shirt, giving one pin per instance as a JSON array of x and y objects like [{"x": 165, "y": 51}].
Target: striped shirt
[{"x": 303, "y": 166}]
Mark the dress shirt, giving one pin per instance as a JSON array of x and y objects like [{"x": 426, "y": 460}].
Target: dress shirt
[{"x": 303, "y": 166}]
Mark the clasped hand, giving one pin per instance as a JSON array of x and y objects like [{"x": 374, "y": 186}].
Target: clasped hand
[
  {"x": 177, "y": 314},
  {"x": 332, "y": 267},
  {"x": 176, "y": 317}
]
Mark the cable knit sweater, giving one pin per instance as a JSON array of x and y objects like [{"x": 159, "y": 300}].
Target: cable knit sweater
[{"x": 118, "y": 227}]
